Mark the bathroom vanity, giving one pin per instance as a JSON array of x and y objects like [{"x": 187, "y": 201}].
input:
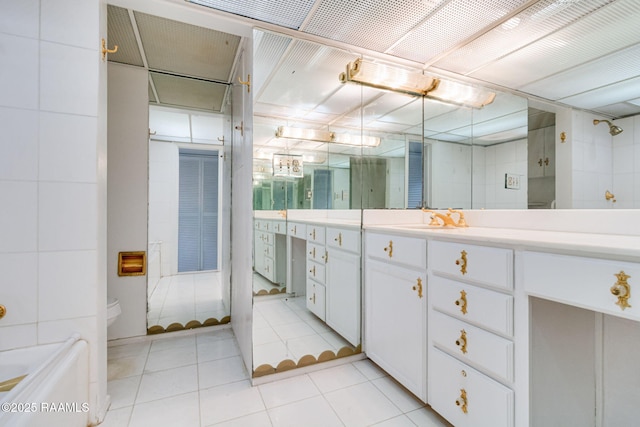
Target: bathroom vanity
[{"x": 518, "y": 320}]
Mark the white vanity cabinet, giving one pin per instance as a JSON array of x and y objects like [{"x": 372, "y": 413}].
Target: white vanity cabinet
[
  {"x": 395, "y": 329},
  {"x": 471, "y": 348},
  {"x": 316, "y": 270},
  {"x": 343, "y": 282},
  {"x": 270, "y": 250}
]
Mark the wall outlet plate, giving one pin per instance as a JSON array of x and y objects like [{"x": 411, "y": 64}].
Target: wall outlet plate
[{"x": 511, "y": 181}]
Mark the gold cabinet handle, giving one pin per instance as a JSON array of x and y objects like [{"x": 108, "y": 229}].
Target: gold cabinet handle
[
  {"x": 462, "y": 400},
  {"x": 462, "y": 341},
  {"x": 418, "y": 287},
  {"x": 462, "y": 262},
  {"x": 247, "y": 82},
  {"x": 540, "y": 162},
  {"x": 295, "y": 228},
  {"x": 313, "y": 298},
  {"x": 325, "y": 257},
  {"x": 546, "y": 161},
  {"x": 339, "y": 239},
  {"x": 266, "y": 268},
  {"x": 313, "y": 253},
  {"x": 105, "y": 50},
  {"x": 462, "y": 302},
  {"x": 3, "y": 311},
  {"x": 313, "y": 234},
  {"x": 389, "y": 249},
  {"x": 622, "y": 290},
  {"x": 313, "y": 271}
]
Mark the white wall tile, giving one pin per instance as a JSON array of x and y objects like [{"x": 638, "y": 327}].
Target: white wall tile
[
  {"x": 67, "y": 148},
  {"x": 18, "y": 144},
  {"x": 19, "y": 287},
  {"x": 18, "y": 216},
  {"x": 68, "y": 79},
  {"x": 20, "y": 18},
  {"x": 71, "y": 22},
  {"x": 19, "y": 72},
  {"x": 67, "y": 285},
  {"x": 18, "y": 336},
  {"x": 67, "y": 216},
  {"x": 59, "y": 330},
  {"x": 623, "y": 159}
]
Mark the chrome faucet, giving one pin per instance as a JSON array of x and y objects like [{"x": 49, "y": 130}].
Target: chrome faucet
[{"x": 447, "y": 220}]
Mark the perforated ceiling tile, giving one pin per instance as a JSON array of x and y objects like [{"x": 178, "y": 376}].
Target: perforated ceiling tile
[
  {"x": 186, "y": 49},
  {"x": 268, "y": 49},
  {"x": 609, "y": 29},
  {"x": 286, "y": 13},
  {"x": 455, "y": 22},
  {"x": 120, "y": 33},
  {"x": 372, "y": 24},
  {"x": 189, "y": 93},
  {"x": 533, "y": 23}
]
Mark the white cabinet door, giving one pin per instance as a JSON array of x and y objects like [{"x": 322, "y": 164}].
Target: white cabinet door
[
  {"x": 343, "y": 294},
  {"x": 396, "y": 323},
  {"x": 316, "y": 299}
]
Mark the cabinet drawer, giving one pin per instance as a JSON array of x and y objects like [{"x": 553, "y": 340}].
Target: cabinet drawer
[
  {"x": 583, "y": 282},
  {"x": 466, "y": 397},
  {"x": 316, "y": 299},
  {"x": 401, "y": 250},
  {"x": 268, "y": 269},
  {"x": 316, "y": 271},
  {"x": 297, "y": 230},
  {"x": 347, "y": 240},
  {"x": 475, "y": 345},
  {"x": 315, "y": 234},
  {"x": 485, "y": 308},
  {"x": 279, "y": 227},
  {"x": 257, "y": 225},
  {"x": 489, "y": 266},
  {"x": 316, "y": 253}
]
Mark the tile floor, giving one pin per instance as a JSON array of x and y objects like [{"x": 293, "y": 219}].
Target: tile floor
[
  {"x": 262, "y": 284},
  {"x": 283, "y": 328},
  {"x": 185, "y": 297},
  {"x": 187, "y": 379}
]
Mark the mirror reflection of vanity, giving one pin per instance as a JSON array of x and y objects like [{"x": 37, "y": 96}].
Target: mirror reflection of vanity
[{"x": 385, "y": 150}]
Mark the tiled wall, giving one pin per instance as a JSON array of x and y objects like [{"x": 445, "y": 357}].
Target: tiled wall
[
  {"x": 51, "y": 242},
  {"x": 450, "y": 176},
  {"x": 626, "y": 164}
]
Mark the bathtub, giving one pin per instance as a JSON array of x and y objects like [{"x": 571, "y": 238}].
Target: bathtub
[{"x": 55, "y": 391}]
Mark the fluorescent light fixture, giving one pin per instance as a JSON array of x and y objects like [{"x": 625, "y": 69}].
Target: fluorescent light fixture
[
  {"x": 306, "y": 134},
  {"x": 461, "y": 94},
  {"x": 387, "y": 77},
  {"x": 357, "y": 140},
  {"x": 326, "y": 136},
  {"x": 413, "y": 83}
]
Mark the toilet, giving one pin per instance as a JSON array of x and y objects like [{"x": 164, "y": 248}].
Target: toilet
[{"x": 113, "y": 310}]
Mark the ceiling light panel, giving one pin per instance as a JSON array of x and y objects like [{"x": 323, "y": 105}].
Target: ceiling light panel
[
  {"x": 286, "y": 13},
  {"x": 120, "y": 33},
  {"x": 186, "y": 49},
  {"x": 268, "y": 49},
  {"x": 443, "y": 30},
  {"x": 189, "y": 93},
  {"x": 385, "y": 21},
  {"x": 535, "y": 22},
  {"x": 611, "y": 28}
]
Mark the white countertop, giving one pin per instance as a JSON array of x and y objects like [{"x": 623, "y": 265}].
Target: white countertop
[
  {"x": 619, "y": 247},
  {"x": 327, "y": 221}
]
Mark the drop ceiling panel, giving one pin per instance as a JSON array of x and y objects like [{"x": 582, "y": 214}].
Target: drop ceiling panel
[
  {"x": 185, "y": 49},
  {"x": 611, "y": 28},
  {"x": 375, "y": 25},
  {"x": 533, "y": 23},
  {"x": 390, "y": 108},
  {"x": 189, "y": 93},
  {"x": 606, "y": 95},
  {"x": 450, "y": 25},
  {"x": 622, "y": 109},
  {"x": 268, "y": 49},
  {"x": 286, "y": 13},
  {"x": 120, "y": 33}
]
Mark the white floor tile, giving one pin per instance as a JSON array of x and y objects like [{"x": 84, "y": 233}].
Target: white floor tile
[
  {"x": 313, "y": 412},
  {"x": 369, "y": 369},
  {"x": 128, "y": 350},
  {"x": 271, "y": 353},
  {"x": 125, "y": 367},
  {"x": 219, "y": 349},
  {"x": 311, "y": 344},
  {"x": 362, "y": 405},
  {"x": 223, "y": 371},
  {"x": 336, "y": 378},
  {"x": 117, "y": 417},
  {"x": 397, "y": 395},
  {"x": 171, "y": 358},
  {"x": 171, "y": 382},
  {"x": 229, "y": 401},
  {"x": 123, "y": 391},
  {"x": 426, "y": 417},
  {"x": 169, "y": 343},
  {"x": 259, "y": 419},
  {"x": 182, "y": 410},
  {"x": 289, "y": 390},
  {"x": 399, "y": 421},
  {"x": 293, "y": 330}
]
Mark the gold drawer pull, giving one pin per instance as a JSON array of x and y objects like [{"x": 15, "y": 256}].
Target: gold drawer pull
[
  {"x": 325, "y": 257},
  {"x": 313, "y": 253},
  {"x": 313, "y": 299},
  {"x": 295, "y": 229},
  {"x": 462, "y": 262},
  {"x": 462, "y": 302},
  {"x": 3, "y": 311},
  {"x": 418, "y": 287},
  {"x": 313, "y": 271},
  {"x": 462, "y": 341},
  {"x": 313, "y": 234},
  {"x": 622, "y": 290},
  {"x": 462, "y": 400},
  {"x": 389, "y": 249},
  {"x": 339, "y": 239}
]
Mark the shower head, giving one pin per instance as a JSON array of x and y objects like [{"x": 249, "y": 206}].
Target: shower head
[{"x": 613, "y": 129}]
